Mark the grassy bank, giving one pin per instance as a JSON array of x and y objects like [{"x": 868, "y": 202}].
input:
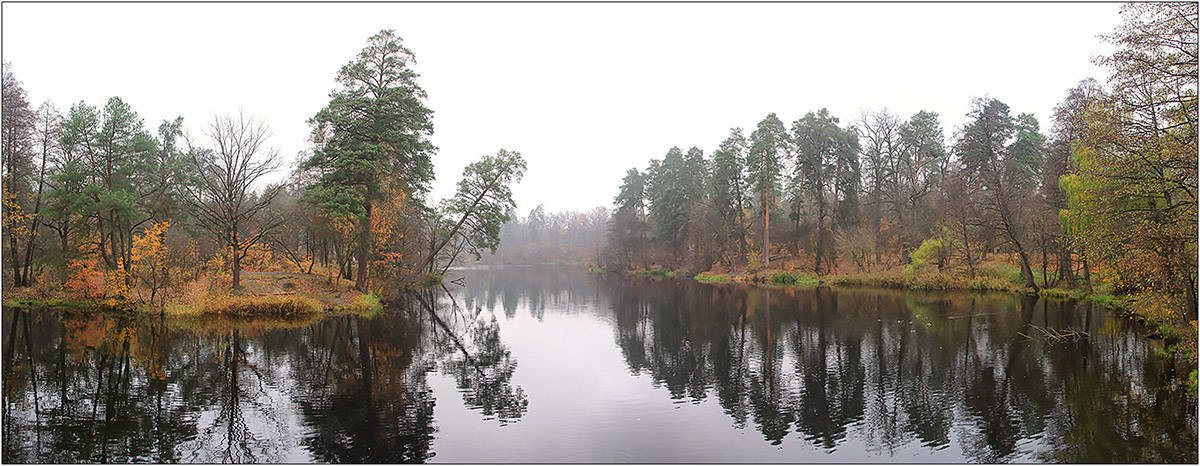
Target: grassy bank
[
  {"x": 263, "y": 294},
  {"x": 653, "y": 273}
]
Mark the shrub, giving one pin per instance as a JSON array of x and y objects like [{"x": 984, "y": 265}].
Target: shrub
[
  {"x": 1002, "y": 271},
  {"x": 931, "y": 251}
]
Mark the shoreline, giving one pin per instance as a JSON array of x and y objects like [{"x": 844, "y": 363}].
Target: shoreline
[
  {"x": 1178, "y": 339},
  {"x": 263, "y": 294}
]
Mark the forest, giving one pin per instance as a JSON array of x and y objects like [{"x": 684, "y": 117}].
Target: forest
[
  {"x": 99, "y": 207},
  {"x": 1102, "y": 201}
]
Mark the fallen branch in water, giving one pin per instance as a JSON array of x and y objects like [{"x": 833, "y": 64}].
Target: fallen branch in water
[{"x": 1070, "y": 333}]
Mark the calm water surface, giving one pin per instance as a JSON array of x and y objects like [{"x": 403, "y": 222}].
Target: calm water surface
[{"x": 552, "y": 364}]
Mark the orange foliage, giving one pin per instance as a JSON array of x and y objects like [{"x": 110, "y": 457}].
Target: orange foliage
[
  {"x": 149, "y": 257},
  {"x": 385, "y": 222},
  {"x": 83, "y": 278},
  {"x": 387, "y": 232},
  {"x": 259, "y": 257}
]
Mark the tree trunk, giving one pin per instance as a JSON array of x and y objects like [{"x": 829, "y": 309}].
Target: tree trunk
[
  {"x": 16, "y": 261},
  {"x": 1066, "y": 272},
  {"x": 1087, "y": 276},
  {"x": 767, "y": 228},
  {"x": 364, "y": 250},
  {"x": 1045, "y": 258},
  {"x": 1026, "y": 270},
  {"x": 967, "y": 251},
  {"x": 237, "y": 269},
  {"x": 33, "y": 222},
  {"x": 820, "y": 233}
]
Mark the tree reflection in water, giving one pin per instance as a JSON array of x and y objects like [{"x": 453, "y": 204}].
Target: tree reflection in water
[
  {"x": 89, "y": 387},
  {"x": 886, "y": 373},
  {"x": 896, "y": 367}
]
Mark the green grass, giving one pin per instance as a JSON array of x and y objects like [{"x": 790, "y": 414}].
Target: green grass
[
  {"x": 1060, "y": 293},
  {"x": 51, "y": 302},
  {"x": 798, "y": 279},
  {"x": 711, "y": 278},
  {"x": 367, "y": 305},
  {"x": 655, "y": 273}
]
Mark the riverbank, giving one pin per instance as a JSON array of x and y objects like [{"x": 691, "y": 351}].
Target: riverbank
[
  {"x": 1179, "y": 337},
  {"x": 263, "y": 294}
]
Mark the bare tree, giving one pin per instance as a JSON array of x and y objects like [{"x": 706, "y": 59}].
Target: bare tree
[{"x": 223, "y": 188}]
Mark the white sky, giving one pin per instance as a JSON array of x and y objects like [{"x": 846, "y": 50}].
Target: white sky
[{"x": 583, "y": 91}]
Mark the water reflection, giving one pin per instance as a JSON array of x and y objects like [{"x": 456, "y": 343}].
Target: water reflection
[
  {"x": 895, "y": 367},
  {"x": 815, "y": 375},
  {"x": 86, "y": 387}
]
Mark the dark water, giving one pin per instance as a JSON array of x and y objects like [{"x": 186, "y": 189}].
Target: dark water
[{"x": 554, "y": 364}]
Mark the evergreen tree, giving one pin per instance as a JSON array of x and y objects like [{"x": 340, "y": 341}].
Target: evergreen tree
[
  {"x": 999, "y": 156},
  {"x": 827, "y": 164},
  {"x": 768, "y": 145},
  {"x": 375, "y": 127},
  {"x": 729, "y": 189},
  {"x": 668, "y": 193}
]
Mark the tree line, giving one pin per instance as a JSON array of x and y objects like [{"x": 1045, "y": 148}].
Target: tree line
[
  {"x": 95, "y": 203},
  {"x": 1110, "y": 189}
]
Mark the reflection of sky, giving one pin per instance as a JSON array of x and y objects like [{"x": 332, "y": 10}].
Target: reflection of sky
[
  {"x": 269, "y": 411},
  {"x": 585, "y": 406}
]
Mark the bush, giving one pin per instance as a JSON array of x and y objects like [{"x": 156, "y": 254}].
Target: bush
[
  {"x": 929, "y": 253},
  {"x": 1002, "y": 271}
]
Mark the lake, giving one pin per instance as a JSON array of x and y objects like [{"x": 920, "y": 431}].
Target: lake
[{"x": 554, "y": 364}]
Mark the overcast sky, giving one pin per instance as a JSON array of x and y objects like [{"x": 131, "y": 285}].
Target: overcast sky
[{"x": 583, "y": 91}]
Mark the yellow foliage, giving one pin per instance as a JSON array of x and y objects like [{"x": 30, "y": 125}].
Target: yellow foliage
[
  {"x": 16, "y": 219},
  {"x": 148, "y": 250},
  {"x": 116, "y": 283},
  {"x": 259, "y": 257},
  {"x": 150, "y": 260}
]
